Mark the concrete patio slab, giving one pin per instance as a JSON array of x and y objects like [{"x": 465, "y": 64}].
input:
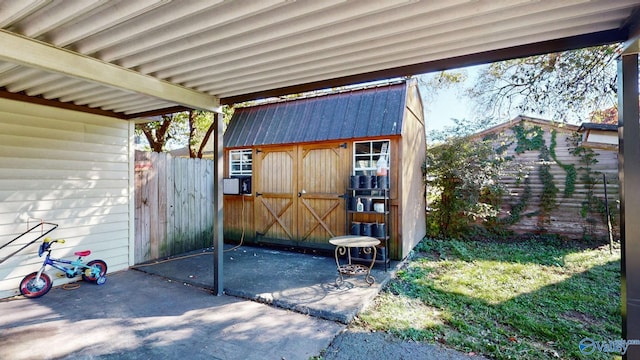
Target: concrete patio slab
[
  {"x": 167, "y": 312},
  {"x": 303, "y": 282},
  {"x": 141, "y": 316}
]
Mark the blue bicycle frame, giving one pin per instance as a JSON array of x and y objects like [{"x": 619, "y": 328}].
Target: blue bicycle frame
[
  {"x": 78, "y": 267},
  {"x": 39, "y": 283}
]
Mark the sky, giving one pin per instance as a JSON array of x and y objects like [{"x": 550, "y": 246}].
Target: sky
[
  {"x": 445, "y": 106},
  {"x": 449, "y": 103}
]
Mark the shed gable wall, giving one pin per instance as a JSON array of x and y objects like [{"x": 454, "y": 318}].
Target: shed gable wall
[
  {"x": 414, "y": 147},
  {"x": 68, "y": 168}
]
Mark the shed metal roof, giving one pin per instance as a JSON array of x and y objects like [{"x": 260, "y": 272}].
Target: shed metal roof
[{"x": 353, "y": 114}]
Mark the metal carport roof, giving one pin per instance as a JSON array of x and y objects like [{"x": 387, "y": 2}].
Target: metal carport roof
[{"x": 135, "y": 58}]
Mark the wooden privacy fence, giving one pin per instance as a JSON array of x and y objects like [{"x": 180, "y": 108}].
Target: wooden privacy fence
[{"x": 173, "y": 205}]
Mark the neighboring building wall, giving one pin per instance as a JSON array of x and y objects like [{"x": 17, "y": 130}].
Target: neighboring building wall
[
  {"x": 569, "y": 216},
  {"x": 68, "y": 168},
  {"x": 602, "y": 137}
]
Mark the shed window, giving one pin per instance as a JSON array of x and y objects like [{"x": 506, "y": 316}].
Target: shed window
[
  {"x": 366, "y": 155},
  {"x": 240, "y": 162}
]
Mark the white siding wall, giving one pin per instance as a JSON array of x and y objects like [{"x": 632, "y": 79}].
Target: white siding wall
[{"x": 68, "y": 168}]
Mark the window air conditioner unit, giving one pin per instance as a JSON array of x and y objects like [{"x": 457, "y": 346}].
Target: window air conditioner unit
[{"x": 236, "y": 185}]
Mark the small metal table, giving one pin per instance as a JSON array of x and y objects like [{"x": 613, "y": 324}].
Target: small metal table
[{"x": 343, "y": 245}]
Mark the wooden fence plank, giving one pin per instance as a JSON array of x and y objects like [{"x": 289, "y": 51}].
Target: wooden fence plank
[
  {"x": 173, "y": 205},
  {"x": 152, "y": 205}
]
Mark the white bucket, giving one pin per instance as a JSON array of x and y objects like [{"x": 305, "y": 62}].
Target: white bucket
[{"x": 378, "y": 207}]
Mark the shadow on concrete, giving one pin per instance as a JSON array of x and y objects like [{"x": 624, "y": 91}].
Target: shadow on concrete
[
  {"x": 305, "y": 283},
  {"x": 141, "y": 316}
]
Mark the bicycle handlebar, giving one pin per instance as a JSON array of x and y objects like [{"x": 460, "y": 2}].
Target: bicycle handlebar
[
  {"x": 48, "y": 240},
  {"x": 46, "y": 245}
]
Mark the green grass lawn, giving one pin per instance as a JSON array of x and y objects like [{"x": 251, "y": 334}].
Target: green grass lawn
[{"x": 533, "y": 299}]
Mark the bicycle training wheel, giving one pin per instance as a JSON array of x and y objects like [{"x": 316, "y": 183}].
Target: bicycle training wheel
[
  {"x": 94, "y": 275},
  {"x": 32, "y": 287}
]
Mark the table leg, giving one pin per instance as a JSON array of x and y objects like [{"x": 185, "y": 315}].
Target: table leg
[
  {"x": 340, "y": 251},
  {"x": 368, "y": 250}
]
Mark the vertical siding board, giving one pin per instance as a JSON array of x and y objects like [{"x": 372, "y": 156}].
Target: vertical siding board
[
  {"x": 184, "y": 204},
  {"x": 201, "y": 205},
  {"x": 161, "y": 171},
  {"x": 170, "y": 196},
  {"x": 185, "y": 207},
  {"x": 152, "y": 206},
  {"x": 141, "y": 236},
  {"x": 180, "y": 178},
  {"x": 193, "y": 202},
  {"x": 178, "y": 191}
]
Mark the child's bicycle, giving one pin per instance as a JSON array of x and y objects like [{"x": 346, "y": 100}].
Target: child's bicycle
[{"x": 38, "y": 283}]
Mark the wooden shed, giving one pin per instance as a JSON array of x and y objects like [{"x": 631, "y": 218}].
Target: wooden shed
[
  {"x": 295, "y": 159},
  {"x": 557, "y": 185}
]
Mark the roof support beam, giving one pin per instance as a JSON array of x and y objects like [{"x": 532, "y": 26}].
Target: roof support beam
[{"x": 28, "y": 52}]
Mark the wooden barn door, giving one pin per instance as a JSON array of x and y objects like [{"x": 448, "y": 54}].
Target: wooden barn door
[
  {"x": 322, "y": 175},
  {"x": 299, "y": 193},
  {"x": 275, "y": 208}
]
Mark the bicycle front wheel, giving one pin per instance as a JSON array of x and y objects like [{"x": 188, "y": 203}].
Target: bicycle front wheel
[{"x": 33, "y": 287}]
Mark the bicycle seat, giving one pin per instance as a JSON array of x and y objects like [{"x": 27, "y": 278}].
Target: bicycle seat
[{"x": 83, "y": 253}]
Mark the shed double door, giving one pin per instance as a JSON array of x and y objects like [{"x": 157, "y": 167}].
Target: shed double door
[{"x": 299, "y": 193}]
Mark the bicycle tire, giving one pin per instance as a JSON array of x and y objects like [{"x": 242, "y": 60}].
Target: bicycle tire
[
  {"x": 93, "y": 277},
  {"x": 32, "y": 289}
]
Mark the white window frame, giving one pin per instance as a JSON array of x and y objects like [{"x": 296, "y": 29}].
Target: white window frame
[
  {"x": 371, "y": 158},
  {"x": 238, "y": 157}
]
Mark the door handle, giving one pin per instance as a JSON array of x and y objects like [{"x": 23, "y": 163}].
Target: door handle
[{"x": 302, "y": 193}]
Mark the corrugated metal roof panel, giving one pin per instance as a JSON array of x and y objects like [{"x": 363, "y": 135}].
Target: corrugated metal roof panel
[
  {"x": 353, "y": 114},
  {"x": 395, "y": 104}
]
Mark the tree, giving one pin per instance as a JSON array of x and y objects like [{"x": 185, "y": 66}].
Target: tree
[
  {"x": 460, "y": 128},
  {"x": 462, "y": 181},
  {"x": 157, "y": 132},
  {"x": 562, "y": 85},
  {"x": 605, "y": 116},
  {"x": 190, "y": 129}
]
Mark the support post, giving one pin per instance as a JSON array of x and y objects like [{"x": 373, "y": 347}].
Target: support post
[
  {"x": 629, "y": 174},
  {"x": 218, "y": 221}
]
